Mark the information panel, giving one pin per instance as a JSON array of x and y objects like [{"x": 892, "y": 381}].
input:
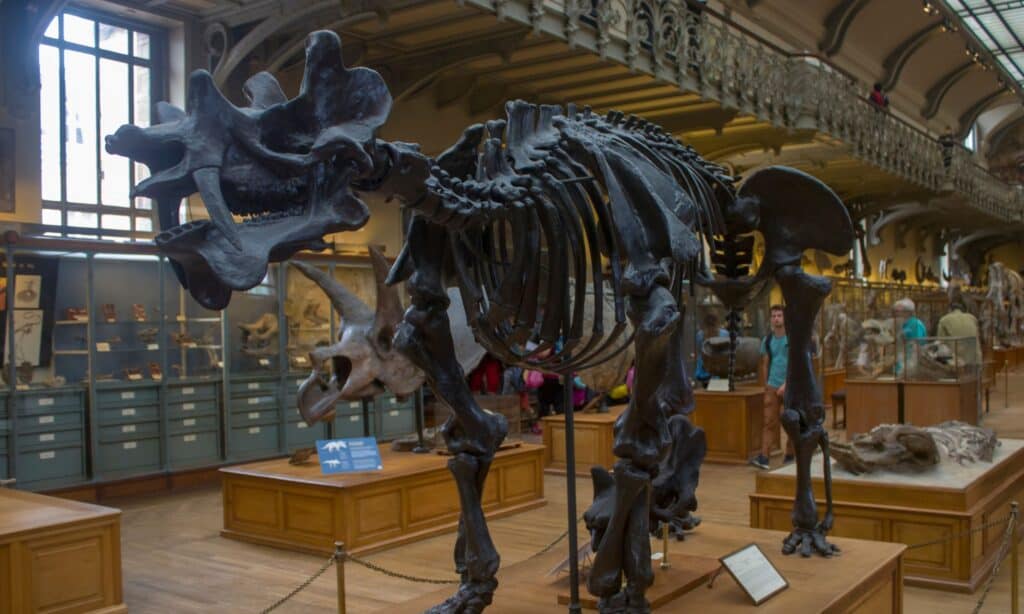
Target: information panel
[{"x": 348, "y": 455}]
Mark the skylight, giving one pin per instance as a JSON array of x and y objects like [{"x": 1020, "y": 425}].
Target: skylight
[{"x": 999, "y": 26}]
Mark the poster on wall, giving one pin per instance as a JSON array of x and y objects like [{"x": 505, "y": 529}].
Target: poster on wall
[
  {"x": 6, "y": 170},
  {"x": 34, "y": 297}
]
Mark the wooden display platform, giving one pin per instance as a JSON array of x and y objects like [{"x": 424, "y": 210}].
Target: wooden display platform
[
  {"x": 595, "y": 438},
  {"x": 866, "y": 579},
  {"x": 58, "y": 555},
  {"x": 912, "y": 509},
  {"x": 732, "y": 422},
  {"x": 685, "y": 573},
  {"x": 870, "y": 403},
  {"x": 298, "y": 508},
  {"x": 929, "y": 403}
]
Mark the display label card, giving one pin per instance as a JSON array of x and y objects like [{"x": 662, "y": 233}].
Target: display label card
[
  {"x": 349, "y": 455},
  {"x": 128, "y": 428},
  {"x": 47, "y": 455},
  {"x": 301, "y": 361},
  {"x": 103, "y": 346},
  {"x": 188, "y": 390},
  {"x": 755, "y": 574},
  {"x": 254, "y": 415},
  {"x": 189, "y": 438},
  {"x": 130, "y": 445},
  {"x": 152, "y": 346},
  {"x": 157, "y": 377},
  {"x": 718, "y": 384},
  {"x": 44, "y": 401},
  {"x": 253, "y": 386},
  {"x": 264, "y": 362},
  {"x": 47, "y": 437},
  {"x": 45, "y": 419},
  {"x": 180, "y": 318},
  {"x": 133, "y": 377},
  {"x": 188, "y": 422},
  {"x": 301, "y": 425},
  {"x": 127, "y": 395},
  {"x": 354, "y": 418},
  {"x": 188, "y": 406},
  {"x": 22, "y": 387},
  {"x": 128, "y": 412}
]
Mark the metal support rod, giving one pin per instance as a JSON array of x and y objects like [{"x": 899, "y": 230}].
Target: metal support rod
[
  {"x": 570, "y": 492},
  {"x": 664, "y": 546},
  {"x": 339, "y": 565},
  {"x": 1014, "y": 562},
  {"x": 421, "y": 446},
  {"x": 1006, "y": 384}
]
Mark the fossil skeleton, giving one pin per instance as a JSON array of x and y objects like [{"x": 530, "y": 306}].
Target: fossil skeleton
[
  {"x": 903, "y": 448},
  {"x": 516, "y": 208}
]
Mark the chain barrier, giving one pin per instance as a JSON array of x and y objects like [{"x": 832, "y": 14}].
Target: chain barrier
[
  {"x": 400, "y": 576},
  {"x": 1008, "y": 540},
  {"x": 949, "y": 538},
  {"x": 331, "y": 561}
]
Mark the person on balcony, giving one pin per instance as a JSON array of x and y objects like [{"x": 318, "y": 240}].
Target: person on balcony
[{"x": 878, "y": 98}]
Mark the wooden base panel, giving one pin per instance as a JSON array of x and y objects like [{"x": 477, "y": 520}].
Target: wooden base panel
[
  {"x": 930, "y": 403},
  {"x": 58, "y": 556},
  {"x": 866, "y": 579},
  {"x": 685, "y": 574},
  {"x": 870, "y": 403},
  {"x": 297, "y": 508},
  {"x": 901, "y": 512}
]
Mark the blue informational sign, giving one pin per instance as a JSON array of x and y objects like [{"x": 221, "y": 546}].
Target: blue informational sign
[{"x": 348, "y": 455}]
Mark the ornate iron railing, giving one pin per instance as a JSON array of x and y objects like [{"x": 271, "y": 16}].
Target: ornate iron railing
[{"x": 703, "y": 53}]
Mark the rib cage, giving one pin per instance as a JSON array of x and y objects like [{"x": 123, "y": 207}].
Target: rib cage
[{"x": 566, "y": 204}]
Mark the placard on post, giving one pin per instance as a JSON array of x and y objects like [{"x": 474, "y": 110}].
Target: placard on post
[
  {"x": 755, "y": 574},
  {"x": 349, "y": 455}
]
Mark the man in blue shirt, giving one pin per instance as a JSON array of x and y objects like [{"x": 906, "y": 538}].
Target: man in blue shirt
[{"x": 774, "y": 364}]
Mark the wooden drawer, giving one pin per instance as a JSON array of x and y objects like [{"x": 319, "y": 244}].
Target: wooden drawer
[
  {"x": 123, "y": 432},
  {"x": 128, "y": 415},
  {"x": 193, "y": 447},
  {"x": 114, "y": 457},
  {"x": 48, "y": 422},
  {"x": 253, "y": 440},
  {"x": 193, "y": 424},
  {"x": 50, "y": 464},
  {"x": 351, "y": 426},
  {"x": 299, "y": 434},
  {"x": 123, "y": 397},
  {"x": 191, "y": 392},
  {"x": 187, "y": 409},
  {"x": 251, "y": 387},
  {"x": 395, "y": 422},
  {"x": 31, "y": 403},
  {"x": 49, "y": 439}
]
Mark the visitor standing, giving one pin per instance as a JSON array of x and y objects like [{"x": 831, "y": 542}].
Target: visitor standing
[
  {"x": 960, "y": 324},
  {"x": 774, "y": 364}
]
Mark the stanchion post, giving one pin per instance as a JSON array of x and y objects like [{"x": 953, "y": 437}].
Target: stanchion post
[
  {"x": 1006, "y": 384},
  {"x": 1014, "y": 562},
  {"x": 664, "y": 546},
  {"x": 339, "y": 564},
  {"x": 570, "y": 494}
]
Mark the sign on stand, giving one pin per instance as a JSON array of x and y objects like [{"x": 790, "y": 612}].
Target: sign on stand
[{"x": 349, "y": 455}]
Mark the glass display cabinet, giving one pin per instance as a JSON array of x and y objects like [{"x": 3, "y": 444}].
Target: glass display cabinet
[
  {"x": 942, "y": 380},
  {"x": 941, "y": 359}
]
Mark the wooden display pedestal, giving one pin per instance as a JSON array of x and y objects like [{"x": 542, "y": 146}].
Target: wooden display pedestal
[
  {"x": 732, "y": 422},
  {"x": 912, "y": 509},
  {"x": 58, "y": 555},
  {"x": 870, "y": 403},
  {"x": 595, "y": 438},
  {"x": 929, "y": 403},
  {"x": 298, "y": 508},
  {"x": 866, "y": 579},
  {"x": 833, "y": 380}
]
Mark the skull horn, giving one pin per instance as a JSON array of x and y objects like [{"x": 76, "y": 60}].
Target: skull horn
[
  {"x": 389, "y": 304},
  {"x": 351, "y": 308}
]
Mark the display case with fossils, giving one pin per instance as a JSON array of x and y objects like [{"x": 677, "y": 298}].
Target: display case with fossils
[{"x": 941, "y": 359}]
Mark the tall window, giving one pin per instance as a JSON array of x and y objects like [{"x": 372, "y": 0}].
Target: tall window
[
  {"x": 97, "y": 72},
  {"x": 971, "y": 141}
]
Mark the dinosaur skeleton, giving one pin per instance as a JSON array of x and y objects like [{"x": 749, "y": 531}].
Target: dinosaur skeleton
[
  {"x": 508, "y": 215},
  {"x": 906, "y": 448},
  {"x": 1006, "y": 296}
]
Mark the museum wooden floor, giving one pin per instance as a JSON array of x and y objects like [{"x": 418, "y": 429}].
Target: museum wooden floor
[{"x": 175, "y": 561}]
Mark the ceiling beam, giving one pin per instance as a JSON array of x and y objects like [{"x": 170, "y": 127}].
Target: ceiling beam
[
  {"x": 938, "y": 91},
  {"x": 837, "y": 23},
  {"x": 898, "y": 58},
  {"x": 971, "y": 114}
]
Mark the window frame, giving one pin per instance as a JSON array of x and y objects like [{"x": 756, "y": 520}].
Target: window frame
[{"x": 157, "y": 66}]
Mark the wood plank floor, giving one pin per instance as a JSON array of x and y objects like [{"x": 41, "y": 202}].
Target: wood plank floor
[{"x": 175, "y": 560}]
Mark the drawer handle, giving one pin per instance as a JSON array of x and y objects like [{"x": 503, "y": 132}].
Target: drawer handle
[
  {"x": 128, "y": 428},
  {"x": 188, "y": 422},
  {"x": 188, "y": 406},
  {"x": 131, "y": 445},
  {"x": 188, "y": 438},
  {"x": 45, "y": 419},
  {"x": 47, "y": 455},
  {"x": 47, "y": 437}
]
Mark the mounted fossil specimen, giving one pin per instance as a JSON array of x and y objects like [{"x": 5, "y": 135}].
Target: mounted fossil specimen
[
  {"x": 747, "y": 357},
  {"x": 906, "y": 448},
  {"x": 259, "y": 337},
  {"x": 508, "y": 215}
]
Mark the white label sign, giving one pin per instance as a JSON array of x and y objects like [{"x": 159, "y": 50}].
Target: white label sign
[
  {"x": 264, "y": 362},
  {"x": 45, "y": 401},
  {"x": 188, "y": 390},
  {"x": 128, "y": 412},
  {"x": 188, "y": 422},
  {"x": 45, "y": 419},
  {"x": 134, "y": 377},
  {"x": 188, "y": 438},
  {"x": 127, "y": 395},
  {"x": 188, "y": 406},
  {"x": 128, "y": 428},
  {"x": 754, "y": 573},
  {"x": 47, "y": 437},
  {"x": 152, "y": 346},
  {"x": 254, "y": 400},
  {"x": 354, "y": 418},
  {"x": 103, "y": 346},
  {"x": 47, "y": 455},
  {"x": 254, "y": 415},
  {"x": 131, "y": 445},
  {"x": 354, "y": 405},
  {"x": 302, "y": 425},
  {"x": 253, "y": 386},
  {"x": 394, "y": 413},
  {"x": 254, "y": 430}
]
